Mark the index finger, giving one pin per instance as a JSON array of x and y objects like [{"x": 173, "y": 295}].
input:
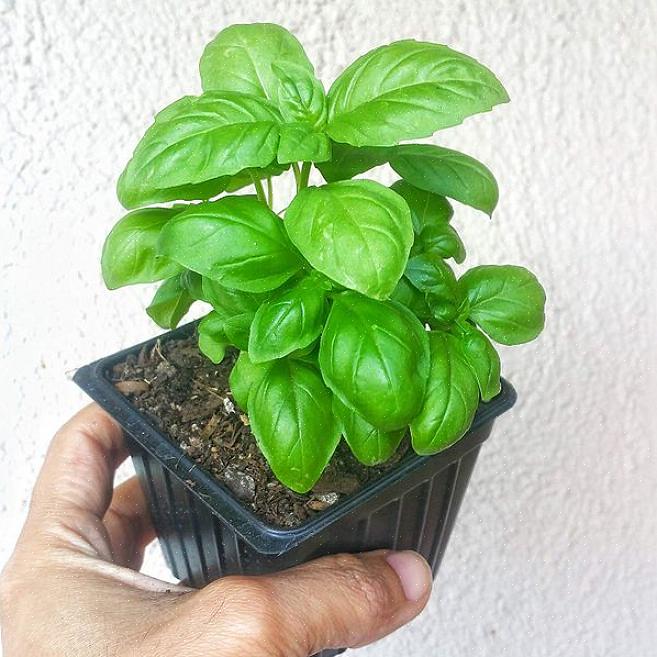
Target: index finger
[{"x": 76, "y": 480}]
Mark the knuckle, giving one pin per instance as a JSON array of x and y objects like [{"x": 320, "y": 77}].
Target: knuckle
[
  {"x": 375, "y": 597},
  {"x": 249, "y": 606}
]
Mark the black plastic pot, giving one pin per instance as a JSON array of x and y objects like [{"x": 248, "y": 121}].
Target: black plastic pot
[{"x": 206, "y": 533}]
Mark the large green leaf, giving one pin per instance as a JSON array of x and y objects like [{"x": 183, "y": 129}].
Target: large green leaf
[
  {"x": 170, "y": 303},
  {"x": 291, "y": 415},
  {"x": 451, "y": 397},
  {"x": 408, "y": 90},
  {"x": 266, "y": 61},
  {"x": 447, "y": 173},
  {"x": 348, "y": 161},
  {"x": 130, "y": 250},
  {"x": 484, "y": 361},
  {"x": 356, "y": 232},
  {"x": 374, "y": 356},
  {"x": 506, "y": 301},
  {"x": 289, "y": 321},
  {"x": 237, "y": 241},
  {"x": 196, "y": 140},
  {"x": 370, "y": 445}
]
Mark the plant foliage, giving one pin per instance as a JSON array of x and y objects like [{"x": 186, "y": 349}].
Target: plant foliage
[{"x": 348, "y": 317}]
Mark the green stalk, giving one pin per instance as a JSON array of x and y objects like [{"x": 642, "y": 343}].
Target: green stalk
[
  {"x": 260, "y": 190},
  {"x": 304, "y": 176},
  {"x": 270, "y": 192}
]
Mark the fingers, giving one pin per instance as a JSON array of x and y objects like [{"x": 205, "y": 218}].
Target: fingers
[
  {"x": 74, "y": 487},
  {"x": 333, "y": 602},
  {"x": 129, "y": 525}
]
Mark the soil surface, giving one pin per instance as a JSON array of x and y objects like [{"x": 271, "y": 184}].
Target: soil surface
[{"x": 188, "y": 397}]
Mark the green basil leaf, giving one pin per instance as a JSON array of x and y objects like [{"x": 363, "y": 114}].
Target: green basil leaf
[
  {"x": 448, "y": 173},
  {"x": 301, "y": 96},
  {"x": 198, "y": 139},
  {"x": 450, "y": 400},
  {"x": 408, "y": 90},
  {"x": 237, "y": 241},
  {"x": 300, "y": 143},
  {"x": 409, "y": 296},
  {"x": 292, "y": 419},
  {"x": 347, "y": 161},
  {"x": 432, "y": 275},
  {"x": 374, "y": 356},
  {"x": 356, "y": 232},
  {"x": 130, "y": 251},
  {"x": 170, "y": 303},
  {"x": 266, "y": 61},
  {"x": 212, "y": 340},
  {"x": 506, "y": 301},
  {"x": 228, "y": 302},
  {"x": 369, "y": 445},
  {"x": 288, "y": 322},
  {"x": 427, "y": 208},
  {"x": 484, "y": 362},
  {"x": 193, "y": 283},
  {"x": 440, "y": 240},
  {"x": 244, "y": 377}
]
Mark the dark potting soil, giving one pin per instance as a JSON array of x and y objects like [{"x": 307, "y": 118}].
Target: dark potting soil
[{"x": 189, "y": 399}]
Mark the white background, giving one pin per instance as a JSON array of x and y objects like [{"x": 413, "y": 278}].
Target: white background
[{"x": 555, "y": 549}]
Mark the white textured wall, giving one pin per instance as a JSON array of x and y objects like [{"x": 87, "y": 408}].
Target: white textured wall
[{"x": 555, "y": 549}]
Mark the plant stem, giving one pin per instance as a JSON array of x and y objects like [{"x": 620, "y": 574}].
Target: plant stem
[
  {"x": 297, "y": 173},
  {"x": 260, "y": 191},
  {"x": 270, "y": 192},
  {"x": 305, "y": 175}
]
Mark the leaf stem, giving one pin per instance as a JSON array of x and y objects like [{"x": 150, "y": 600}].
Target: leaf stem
[
  {"x": 260, "y": 190},
  {"x": 297, "y": 173},
  {"x": 305, "y": 175},
  {"x": 270, "y": 192}
]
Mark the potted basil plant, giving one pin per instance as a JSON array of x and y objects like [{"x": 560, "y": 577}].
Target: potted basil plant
[{"x": 337, "y": 330}]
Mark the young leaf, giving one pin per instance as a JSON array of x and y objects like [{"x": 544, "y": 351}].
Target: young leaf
[
  {"x": 450, "y": 400},
  {"x": 347, "y": 161},
  {"x": 506, "y": 301},
  {"x": 408, "y": 90},
  {"x": 193, "y": 283},
  {"x": 484, "y": 362},
  {"x": 440, "y": 240},
  {"x": 427, "y": 208},
  {"x": 244, "y": 377},
  {"x": 301, "y": 97},
  {"x": 448, "y": 173},
  {"x": 292, "y": 419},
  {"x": 375, "y": 357},
  {"x": 431, "y": 275},
  {"x": 197, "y": 139},
  {"x": 300, "y": 143},
  {"x": 266, "y": 61},
  {"x": 212, "y": 340},
  {"x": 130, "y": 255},
  {"x": 356, "y": 232},
  {"x": 370, "y": 445},
  {"x": 409, "y": 296},
  {"x": 290, "y": 321},
  {"x": 170, "y": 303},
  {"x": 237, "y": 241}
]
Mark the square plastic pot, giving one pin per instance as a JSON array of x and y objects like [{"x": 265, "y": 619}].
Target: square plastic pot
[{"x": 206, "y": 533}]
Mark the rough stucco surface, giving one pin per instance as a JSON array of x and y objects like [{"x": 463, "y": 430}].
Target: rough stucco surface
[{"x": 555, "y": 551}]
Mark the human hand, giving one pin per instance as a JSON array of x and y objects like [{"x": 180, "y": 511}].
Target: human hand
[{"x": 72, "y": 587}]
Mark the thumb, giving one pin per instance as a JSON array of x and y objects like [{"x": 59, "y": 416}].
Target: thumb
[{"x": 341, "y": 601}]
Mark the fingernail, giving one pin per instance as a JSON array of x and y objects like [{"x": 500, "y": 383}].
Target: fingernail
[{"x": 413, "y": 572}]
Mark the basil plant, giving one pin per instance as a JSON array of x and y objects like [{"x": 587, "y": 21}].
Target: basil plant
[{"x": 348, "y": 316}]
